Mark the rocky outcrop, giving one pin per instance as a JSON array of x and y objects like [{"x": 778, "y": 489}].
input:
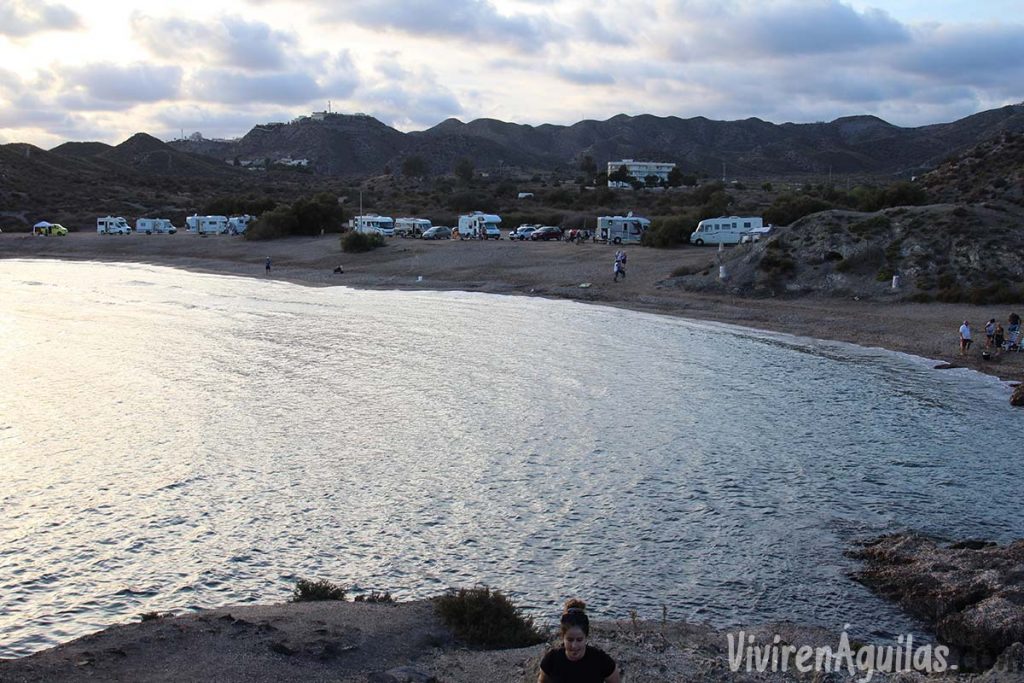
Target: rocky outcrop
[
  {"x": 971, "y": 592},
  {"x": 1017, "y": 397}
]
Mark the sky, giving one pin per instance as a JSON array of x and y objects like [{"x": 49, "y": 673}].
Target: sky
[{"x": 96, "y": 70}]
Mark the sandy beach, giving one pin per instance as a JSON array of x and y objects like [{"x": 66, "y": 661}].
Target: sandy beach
[{"x": 580, "y": 272}]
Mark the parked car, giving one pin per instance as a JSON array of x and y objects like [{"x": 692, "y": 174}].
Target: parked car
[
  {"x": 548, "y": 232},
  {"x": 522, "y": 232},
  {"x": 438, "y": 232}
]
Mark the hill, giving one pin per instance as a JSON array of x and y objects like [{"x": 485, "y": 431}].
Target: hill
[
  {"x": 964, "y": 247},
  {"x": 338, "y": 144}
]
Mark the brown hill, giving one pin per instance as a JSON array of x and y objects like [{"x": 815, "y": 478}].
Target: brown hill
[
  {"x": 339, "y": 144},
  {"x": 964, "y": 248}
]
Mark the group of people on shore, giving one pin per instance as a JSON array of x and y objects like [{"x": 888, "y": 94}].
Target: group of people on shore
[{"x": 996, "y": 336}]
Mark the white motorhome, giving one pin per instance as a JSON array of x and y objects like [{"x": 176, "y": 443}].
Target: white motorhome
[
  {"x": 372, "y": 223},
  {"x": 206, "y": 225},
  {"x": 155, "y": 226},
  {"x": 724, "y": 230},
  {"x": 237, "y": 225},
  {"x": 411, "y": 227},
  {"x": 621, "y": 229},
  {"x": 479, "y": 225},
  {"x": 113, "y": 225}
]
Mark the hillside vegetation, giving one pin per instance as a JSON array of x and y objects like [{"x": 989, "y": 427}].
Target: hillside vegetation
[{"x": 965, "y": 246}]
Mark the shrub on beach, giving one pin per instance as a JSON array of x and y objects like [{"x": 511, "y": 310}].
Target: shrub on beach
[
  {"x": 310, "y": 591},
  {"x": 358, "y": 242},
  {"x": 486, "y": 618}
]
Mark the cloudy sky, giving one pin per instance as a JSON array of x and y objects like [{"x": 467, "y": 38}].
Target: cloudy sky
[{"x": 93, "y": 70}]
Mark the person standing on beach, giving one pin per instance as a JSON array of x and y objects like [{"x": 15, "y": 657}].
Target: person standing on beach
[
  {"x": 268, "y": 265},
  {"x": 999, "y": 336},
  {"x": 576, "y": 661},
  {"x": 965, "y": 338},
  {"x": 990, "y": 331}
]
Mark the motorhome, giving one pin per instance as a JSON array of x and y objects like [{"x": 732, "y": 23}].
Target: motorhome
[
  {"x": 155, "y": 226},
  {"x": 237, "y": 225},
  {"x": 479, "y": 225},
  {"x": 113, "y": 225},
  {"x": 411, "y": 227},
  {"x": 621, "y": 229},
  {"x": 725, "y": 230},
  {"x": 206, "y": 225},
  {"x": 372, "y": 223}
]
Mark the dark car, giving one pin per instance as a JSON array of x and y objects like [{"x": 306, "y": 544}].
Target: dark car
[
  {"x": 438, "y": 232},
  {"x": 548, "y": 232}
]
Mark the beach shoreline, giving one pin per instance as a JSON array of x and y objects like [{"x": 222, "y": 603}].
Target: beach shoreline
[{"x": 554, "y": 270}]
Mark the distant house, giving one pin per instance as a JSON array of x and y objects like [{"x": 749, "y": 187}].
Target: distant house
[
  {"x": 639, "y": 170},
  {"x": 524, "y": 195}
]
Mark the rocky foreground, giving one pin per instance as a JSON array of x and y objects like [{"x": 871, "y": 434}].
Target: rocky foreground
[{"x": 972, "y": 592}]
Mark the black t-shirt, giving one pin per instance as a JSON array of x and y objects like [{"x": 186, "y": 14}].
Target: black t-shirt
[{"x": 594, "y": 667}]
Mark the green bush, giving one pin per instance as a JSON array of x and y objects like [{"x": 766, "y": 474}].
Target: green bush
[
  {"x": 789, "y": 208},
  {"x": 871, "y": 226},
  {"x": 777, "y": 264},
  {"x": 304, "y": 217},
  {"x": 310, "y": 591},
  {"x": 359, "y": 242},
  {"x": 486, "y": 618},
  {"x": 374, "y": 596},
  {"x": 668, "y": 232}
]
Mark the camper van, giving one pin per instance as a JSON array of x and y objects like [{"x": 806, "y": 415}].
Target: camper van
[
  {"x": 237, "y": 225},
  {"x": 113, "y": 225},
  {"x": 411, "y": 227},
  {"x": 206, "y": 225},
  {"x": 479, "y": 225},
  {"x": 372, "y": 223},
  {"x": 724, "y": 230},
  {"x": 621, "y": 229},
  {"x": 155, "y": 226}
]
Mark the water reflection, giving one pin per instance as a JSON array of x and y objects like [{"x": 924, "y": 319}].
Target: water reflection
[{"x": 173, "y": 440}]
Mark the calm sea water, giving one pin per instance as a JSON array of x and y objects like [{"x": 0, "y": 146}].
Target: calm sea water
[{"x": 170, "y": 440}]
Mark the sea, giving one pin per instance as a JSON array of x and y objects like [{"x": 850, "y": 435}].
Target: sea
[{"x": 172, "y": 440}]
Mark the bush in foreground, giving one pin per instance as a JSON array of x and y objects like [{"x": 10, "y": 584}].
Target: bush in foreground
[
  {"x": 358, "y": 242},
  {"x": 486, "y": 618},
  {"x": 310, "y": 591}
]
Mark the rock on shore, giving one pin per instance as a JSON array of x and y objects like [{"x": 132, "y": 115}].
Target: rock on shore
[{"x": 971, "y": 592}]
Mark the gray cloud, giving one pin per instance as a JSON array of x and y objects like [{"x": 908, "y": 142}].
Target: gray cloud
[
  {"x": 340, "y": 77},
  {"x": 591, "y": 28},
  {"x": 407, "y": 98},
  {"x": 584, "y": 76},
  {"x": 727, "y": 31},
  {"x": 19, "y": 19},
  {"x": 474, "y": 21},
  {"x": 234, "y": 87},
  {"x": 109, "y": 86},
  {"x": 232, "y": 42},
  {"x": 980, "y": 55}
]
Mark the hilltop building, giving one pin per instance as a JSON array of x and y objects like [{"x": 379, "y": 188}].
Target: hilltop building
[{"x": 639, "y": 170}]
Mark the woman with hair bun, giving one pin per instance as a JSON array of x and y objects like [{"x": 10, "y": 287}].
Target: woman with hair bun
[{"x": 575, "y": 661}]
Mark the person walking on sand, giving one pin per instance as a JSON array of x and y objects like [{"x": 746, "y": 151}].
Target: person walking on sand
[
  {"x": 575, "y": 660},
  {"x": 965, "y": 338},
  {"x": 267, "y": 264},
  {"x": 990, "y": 331},
  {"x": 617, "y": 269}
]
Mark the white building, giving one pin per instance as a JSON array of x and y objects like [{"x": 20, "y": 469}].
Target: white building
[{"x": 639, "y": 170}]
